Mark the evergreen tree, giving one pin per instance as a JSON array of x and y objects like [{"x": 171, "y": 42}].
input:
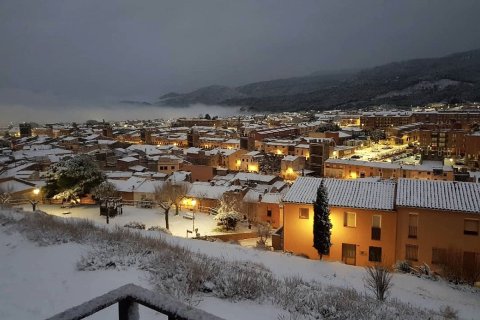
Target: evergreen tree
[
  {"x": 321, "y": 222},
  {"x": 73, "y": 176}
]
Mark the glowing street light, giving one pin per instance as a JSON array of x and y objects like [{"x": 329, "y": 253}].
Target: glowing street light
[{"x": 34, "y": 202}]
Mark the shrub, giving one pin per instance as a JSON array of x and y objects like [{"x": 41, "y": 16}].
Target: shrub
[
  {"x": 424, "y": 271},
  {"x": 448, "y": 312},
  {"x": 264, "y": 232},
  {"x": 379, "y": 281},
  {"x": 135, "y": 225},
  {"x": 160, "y": 229},
  {"x": 403, "y": 266}
]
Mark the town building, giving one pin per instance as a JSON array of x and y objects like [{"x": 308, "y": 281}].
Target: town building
[{"x": 420, "y": 221}]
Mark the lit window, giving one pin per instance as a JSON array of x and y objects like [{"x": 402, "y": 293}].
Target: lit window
[
  {"x": 376, "y": 227},
  {"x": 350, "y": 219},
  {"x": 303, "y": 213},
  {"x": 376, "y": 221}
]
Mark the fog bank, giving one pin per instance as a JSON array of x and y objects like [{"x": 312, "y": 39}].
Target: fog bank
[{"x": 41, "y": 108}]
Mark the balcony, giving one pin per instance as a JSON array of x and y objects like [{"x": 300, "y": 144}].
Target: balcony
[
  {"x": 412, "y": 232},
  {"x": 128, "y": 298},
  {"x": 376, "y": 233}
]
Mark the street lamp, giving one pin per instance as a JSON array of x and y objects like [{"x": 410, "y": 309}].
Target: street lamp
[
  {"x": 34, "y": 202},
  {"x": 193, "y": 231}
]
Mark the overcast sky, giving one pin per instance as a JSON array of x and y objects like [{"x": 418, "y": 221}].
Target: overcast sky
[{"x": 104, "y": 50}]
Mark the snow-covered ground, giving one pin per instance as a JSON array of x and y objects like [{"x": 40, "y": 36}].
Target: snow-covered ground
[
  {"x": 379, "y": 152},
  {"x": 179, "y": 224},
  {"x": 406, "y": 288},
  {"x": 37, "y": 282}
]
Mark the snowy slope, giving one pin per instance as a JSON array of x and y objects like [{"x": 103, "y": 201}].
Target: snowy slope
[{"x": 36, "y": 282}]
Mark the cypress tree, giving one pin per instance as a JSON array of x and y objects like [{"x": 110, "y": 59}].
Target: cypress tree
[{"x": 321, "y": 222}]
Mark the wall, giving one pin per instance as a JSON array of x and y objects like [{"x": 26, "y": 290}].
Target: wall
[
  {"x": 275, "y": 220},
  {"x": 200, "y": 172},
  {"x": 298, "y": 233},
  {"x": 436, "y": 228}
]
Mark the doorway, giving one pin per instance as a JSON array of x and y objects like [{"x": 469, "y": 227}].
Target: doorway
[{"x": 349, "y": 253}]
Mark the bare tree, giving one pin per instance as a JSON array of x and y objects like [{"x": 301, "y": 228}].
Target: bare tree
[
  {"x": 170, "y": 194},
  {"x": 227, "y": 212},
  {"x": 378, "y": 280},
  {"x": 264, "y": 231},
  {"x": 181, "y": 189},
  {"x": 5, "y": 196}
]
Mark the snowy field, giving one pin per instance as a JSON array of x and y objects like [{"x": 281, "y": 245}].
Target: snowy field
[
  {"x": 179, "y": 224},
  {"x": 39, "y": 281}
]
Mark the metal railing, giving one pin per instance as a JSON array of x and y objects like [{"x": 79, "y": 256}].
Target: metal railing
[{"x": 128, "y": 298}]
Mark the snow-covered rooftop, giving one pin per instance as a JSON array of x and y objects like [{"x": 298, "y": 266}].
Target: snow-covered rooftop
[
  {"x": 205, "y": 190},
  {"x": 118, "y": 174},
  {"x": 290, "y": 158},
  {"x": 128, "y": 159},
  {"x": 381, "y": 195},
  {"x": 344, "y": 193},
  {"x": 273, "y": 198},
  {"x": 441, "y": 195},
  {"x": 250, "y": 176}
]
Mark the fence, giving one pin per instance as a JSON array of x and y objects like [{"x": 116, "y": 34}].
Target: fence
[{"x": 128, "y": 298}]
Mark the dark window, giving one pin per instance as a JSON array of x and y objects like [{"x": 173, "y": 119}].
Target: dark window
[
  {"x": 411, "y": 252},
  {"x": 412, "y": 225},
  {"x": 269, "y": 213},
  {"x": 471, "y": 227},
  {"x": 303, "y": 213},
  {"x": 173, "y": 167},
  {"x": 375, "y": 254},
  {"x": 376, "y": 233},
  {"x": 376, "y": 227}
]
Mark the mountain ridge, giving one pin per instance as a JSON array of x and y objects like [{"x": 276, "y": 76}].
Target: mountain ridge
[{"x": 451, "y": 78}]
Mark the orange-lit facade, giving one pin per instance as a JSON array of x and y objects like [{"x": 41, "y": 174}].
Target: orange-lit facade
[
  {"x": 355, "y": 244},
  {"x": 423, "y": 233}
]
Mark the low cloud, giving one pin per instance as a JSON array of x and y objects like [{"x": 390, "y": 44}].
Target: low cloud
[{"x": 19, "y": 106}]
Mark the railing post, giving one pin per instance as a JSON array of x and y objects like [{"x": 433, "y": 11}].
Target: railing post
[{"x": 128, "y": 310}]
